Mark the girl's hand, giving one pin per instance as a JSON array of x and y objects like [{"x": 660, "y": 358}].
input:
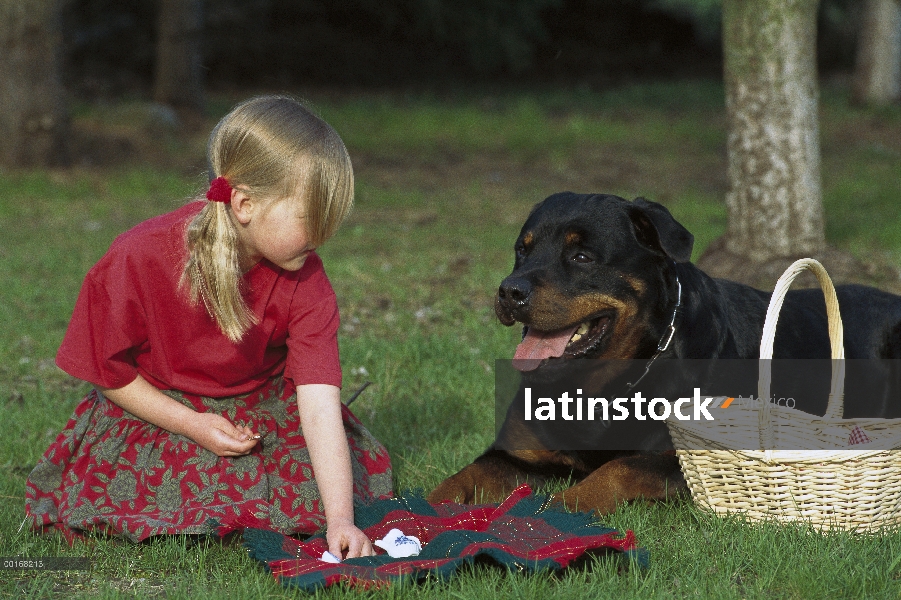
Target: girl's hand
[
  {"x": 219, "y": 436},
  {"x": 213, "y": 432},
  {"x": 344, "y": 535}
]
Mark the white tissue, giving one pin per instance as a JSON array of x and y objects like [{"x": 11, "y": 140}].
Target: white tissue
[
  {"x": 398, "y": 545},
  {"x": 329, "y": 557}
]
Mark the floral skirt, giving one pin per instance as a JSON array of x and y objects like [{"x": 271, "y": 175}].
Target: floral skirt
[{"x": 109, "y": 471}]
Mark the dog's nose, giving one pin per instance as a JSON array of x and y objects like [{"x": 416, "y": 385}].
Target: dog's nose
[{"x": 514, "y": 289}]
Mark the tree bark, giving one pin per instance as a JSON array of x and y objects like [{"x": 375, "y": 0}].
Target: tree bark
[
  {"x": 178, "y": 78},
  {"x": 774, "y": 202},
  {"x": 33, "y": 119},
  {"x": 877, "y": 72}
]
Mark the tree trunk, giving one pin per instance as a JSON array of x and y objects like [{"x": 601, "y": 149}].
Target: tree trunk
[
  {"x": 877, "y": 73},
  {"x": 33, "y": 119},
  {"x": 774, "y": 202},
  {"x": 775, "y": 208},
  {"x": 178, "y": 80}
]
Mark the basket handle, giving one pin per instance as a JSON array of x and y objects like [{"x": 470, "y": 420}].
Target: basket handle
[{"x": 835, "y": 406}]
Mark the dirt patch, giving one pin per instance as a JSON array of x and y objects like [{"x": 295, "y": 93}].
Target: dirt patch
[{"x": 842, "y": 267}]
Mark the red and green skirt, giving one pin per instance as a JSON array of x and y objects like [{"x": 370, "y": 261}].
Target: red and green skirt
[{"x": 111, "y": 472}]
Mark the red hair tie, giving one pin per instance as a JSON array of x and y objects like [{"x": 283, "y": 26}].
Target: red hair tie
[{"x": 220, "y": 190}]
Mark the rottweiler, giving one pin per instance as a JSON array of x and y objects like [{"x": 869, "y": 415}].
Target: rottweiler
[{"x": 600, "y": 278}]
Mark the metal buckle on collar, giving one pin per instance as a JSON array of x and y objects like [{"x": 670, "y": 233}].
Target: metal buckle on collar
[{"x": 671, "y": 330}]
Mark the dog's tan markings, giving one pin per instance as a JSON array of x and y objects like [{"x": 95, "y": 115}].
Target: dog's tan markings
[
  {"x": 544, "y": 457},
  {"x": 586, "y": 305},
  {"x": 625, "y": 339},
  {"x": 625, "y": 479},
  {"x": 637, "y": 285},
  {"x": 480, "y": 481},
  {"x": 627, "y": 332},
  {"x": 518, "y": 439},
  {"x": 573, "y": 238},
  {"x": 551, "y": 310},
  {"x": 528, "y": 239}
]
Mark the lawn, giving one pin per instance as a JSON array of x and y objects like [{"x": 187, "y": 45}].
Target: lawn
[{"x": 444, "y": 180}]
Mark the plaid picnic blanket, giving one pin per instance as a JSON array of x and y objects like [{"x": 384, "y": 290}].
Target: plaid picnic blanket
[{"x": 523, "y": 533}]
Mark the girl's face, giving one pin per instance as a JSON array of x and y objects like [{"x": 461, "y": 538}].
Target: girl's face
[{"x": 277, "y": 232}]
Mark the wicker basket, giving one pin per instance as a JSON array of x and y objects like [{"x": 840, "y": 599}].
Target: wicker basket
[{"x": 813, "y": 483}]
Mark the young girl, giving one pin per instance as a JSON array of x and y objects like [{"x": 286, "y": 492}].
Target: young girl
[{"x": 210, "y": 334}]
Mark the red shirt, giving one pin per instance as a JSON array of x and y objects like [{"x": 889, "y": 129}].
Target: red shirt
[{"x": 132, "y": 318}]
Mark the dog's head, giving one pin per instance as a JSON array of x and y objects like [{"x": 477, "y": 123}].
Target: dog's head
[{"x": 593, "y": 278}]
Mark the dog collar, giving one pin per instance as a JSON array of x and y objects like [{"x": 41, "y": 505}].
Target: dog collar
[{"x": 666, "y": 338}]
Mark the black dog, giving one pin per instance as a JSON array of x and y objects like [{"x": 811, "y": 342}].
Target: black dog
[{"x": 599, "y": 277}]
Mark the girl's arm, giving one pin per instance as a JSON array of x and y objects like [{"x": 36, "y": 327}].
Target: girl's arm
[
  {"x": 320, "y": 416},
  {"x": 213, "y": 432}
]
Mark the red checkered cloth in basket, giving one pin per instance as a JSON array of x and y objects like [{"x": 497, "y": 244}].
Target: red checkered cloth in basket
[
  {"x": 523, "y": 533},
  {"x": 858, "y": 436}
]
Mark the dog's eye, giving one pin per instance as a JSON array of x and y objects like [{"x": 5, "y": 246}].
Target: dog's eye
[
  {"x": 581, "y": 257},
  {"x": 520, "y": 251}
]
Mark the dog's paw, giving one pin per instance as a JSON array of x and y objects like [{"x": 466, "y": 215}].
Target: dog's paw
[{"x": 453, "y": 489}]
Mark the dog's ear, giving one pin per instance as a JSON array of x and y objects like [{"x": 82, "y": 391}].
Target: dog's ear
[{"x": 656, "y": 227}]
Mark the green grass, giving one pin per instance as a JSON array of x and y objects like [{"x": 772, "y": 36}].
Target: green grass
[{"x": 444, "y": 182}]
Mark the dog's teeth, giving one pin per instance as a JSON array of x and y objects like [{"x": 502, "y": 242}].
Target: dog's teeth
[{"x": 582, "y": 330}]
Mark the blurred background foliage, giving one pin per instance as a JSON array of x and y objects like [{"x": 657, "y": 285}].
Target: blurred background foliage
[{"x": 109, "y": 44}]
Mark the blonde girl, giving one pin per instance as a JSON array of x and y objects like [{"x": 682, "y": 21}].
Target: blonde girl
[{"x": 210, "y": 335}]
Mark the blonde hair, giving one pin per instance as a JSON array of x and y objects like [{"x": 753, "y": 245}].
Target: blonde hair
[{"x": 270, "y": 147}]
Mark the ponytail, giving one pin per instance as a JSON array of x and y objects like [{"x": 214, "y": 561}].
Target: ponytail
[{"x": 213, "y": 274}]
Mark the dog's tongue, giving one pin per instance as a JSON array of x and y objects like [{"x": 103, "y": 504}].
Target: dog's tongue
[{"x": 538, "y": 345}]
